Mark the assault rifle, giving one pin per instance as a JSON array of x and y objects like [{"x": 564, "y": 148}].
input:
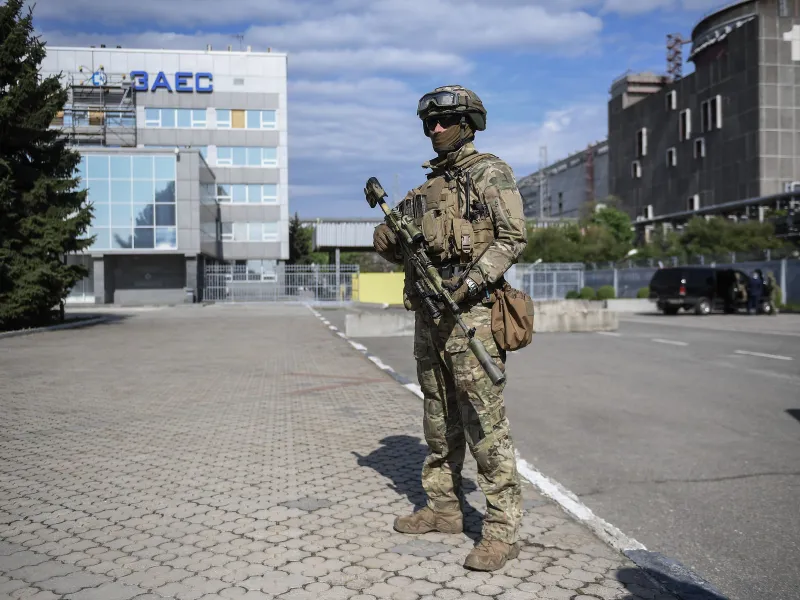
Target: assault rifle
[{"x": 429, "y": 286}]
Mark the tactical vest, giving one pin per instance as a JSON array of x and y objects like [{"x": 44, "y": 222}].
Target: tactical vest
[{"x": 456, "y": 231}]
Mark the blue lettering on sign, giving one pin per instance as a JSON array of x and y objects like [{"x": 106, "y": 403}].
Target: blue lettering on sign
[{"x": 141, "y": 82}]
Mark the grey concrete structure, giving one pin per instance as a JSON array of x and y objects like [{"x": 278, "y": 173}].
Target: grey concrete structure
[
  {"x": 567, "y": 184},
  {"x": 231, "y": 108},
  {"x": 273, "y": 470},
  {"x": 728, "y": 131}
]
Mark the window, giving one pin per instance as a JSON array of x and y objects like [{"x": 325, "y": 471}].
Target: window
[
  {"x": 699, "y": 148},
  {"x": 693, "y": 203},
  {"x": 238, "y": 156},
  {"x": 247, "y": 193},
  {"x": 134, "y": 199},
  {"x": 249, "y": 232},
  {"x": 783, "y": 8},
  {"x": 223, "y": 118},
  {"x": 183, "y": 118},
  {"x": 685, "y": 125},
  {"x": 261, "y": 119},
  {"x": 636, "y": 169},
  {"x": 246, "y": 119},
  {"x": 711, "y": 114},
  {"x": 641, "y": 142},
  {"x": 672, "y": 100},
  {"x": 226, "y": 232},
  {"x": 672, "y": 157},
  {"x": 560, "y": 203}
]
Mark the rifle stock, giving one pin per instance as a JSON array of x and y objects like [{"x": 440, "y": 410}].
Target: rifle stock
[{"x": 411, "y": 242}]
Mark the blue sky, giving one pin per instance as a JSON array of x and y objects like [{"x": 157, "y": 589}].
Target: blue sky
[{"x": 543, "y": 69}]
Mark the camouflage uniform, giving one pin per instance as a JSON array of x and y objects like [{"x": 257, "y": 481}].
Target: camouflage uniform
[{"x": 461, "y": 405}]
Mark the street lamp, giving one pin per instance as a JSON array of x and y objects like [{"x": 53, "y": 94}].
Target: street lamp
[{"x": 537, "y": 261}]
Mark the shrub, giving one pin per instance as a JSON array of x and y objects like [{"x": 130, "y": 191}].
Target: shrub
[
  {"x": 643, "y": 292},
  {"x": 606, "y": 292},
  {"x": 572, "y": 295},
  {"x": 588, "y": 293}
]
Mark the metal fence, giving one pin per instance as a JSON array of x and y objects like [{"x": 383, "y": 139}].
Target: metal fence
[
  {"x": 546, "y": 281},
  {"x": 628, "y": 281},
  {"x": 284, "y": 283}
]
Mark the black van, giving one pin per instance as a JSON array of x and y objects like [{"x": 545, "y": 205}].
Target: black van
[{"x": 701, "y": 289}]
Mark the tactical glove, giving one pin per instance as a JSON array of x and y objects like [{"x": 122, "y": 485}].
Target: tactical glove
[
  {"x": 459, "y": 293},
  {"x": 383, "y": 239}
]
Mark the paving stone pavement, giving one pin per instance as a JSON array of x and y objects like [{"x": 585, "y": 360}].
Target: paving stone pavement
[{"x": 242, "y": 452}]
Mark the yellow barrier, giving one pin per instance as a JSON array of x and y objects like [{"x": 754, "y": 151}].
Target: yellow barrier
[{"x": 378, "y": 288}]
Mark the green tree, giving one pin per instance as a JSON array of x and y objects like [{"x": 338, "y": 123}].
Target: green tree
[
  {"x": 300, "y": 243},
  {"x": 43, "y": 214},
  {"x": 618, "y": 223},
  {"x": 553, "y": 244}
]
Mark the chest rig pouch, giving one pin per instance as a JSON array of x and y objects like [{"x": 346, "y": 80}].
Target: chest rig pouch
[{"x": 452, "y": 217}]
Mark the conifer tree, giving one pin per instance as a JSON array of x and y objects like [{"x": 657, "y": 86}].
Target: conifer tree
[{"x": 43, "y": 215}]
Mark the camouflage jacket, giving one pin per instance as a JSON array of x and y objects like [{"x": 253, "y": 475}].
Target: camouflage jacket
[{"x": 492, "y": 184}]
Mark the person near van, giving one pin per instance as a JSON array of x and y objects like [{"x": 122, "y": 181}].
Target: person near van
[
  {"x": 754, "y": 292},
  {"x": 771, "y": 291}
]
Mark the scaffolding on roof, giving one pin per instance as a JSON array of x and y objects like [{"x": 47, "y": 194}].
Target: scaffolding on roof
[{"x": 100, "y": 110}]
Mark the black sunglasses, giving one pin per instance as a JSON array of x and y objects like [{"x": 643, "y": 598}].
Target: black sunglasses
[{"x": 444, "y": 120}]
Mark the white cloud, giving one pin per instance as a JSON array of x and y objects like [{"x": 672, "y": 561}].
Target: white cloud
[
  {"x": 562, "y": 131},
  {"x": 356, "y": 70},
  {"x": 377, "y": 60}
]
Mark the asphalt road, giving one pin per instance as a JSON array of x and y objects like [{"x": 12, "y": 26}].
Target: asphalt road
[{"x": 684, "y": 432}]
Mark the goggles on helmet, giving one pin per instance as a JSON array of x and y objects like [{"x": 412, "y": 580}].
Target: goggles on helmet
[{"x": 442, "y": 99}]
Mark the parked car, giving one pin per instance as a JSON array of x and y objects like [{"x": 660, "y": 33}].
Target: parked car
[{"x": 700, "y": 289}]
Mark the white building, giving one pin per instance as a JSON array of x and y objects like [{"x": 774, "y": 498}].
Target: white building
[{"x": 225, "y": 112}]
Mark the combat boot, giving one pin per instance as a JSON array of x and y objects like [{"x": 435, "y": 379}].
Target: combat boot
[
  {"x": 490, "y": 555},
  {"x": 427, "y": 519}
]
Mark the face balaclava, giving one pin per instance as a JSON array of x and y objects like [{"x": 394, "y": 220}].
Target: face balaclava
[{"x": 450, "y": 139}]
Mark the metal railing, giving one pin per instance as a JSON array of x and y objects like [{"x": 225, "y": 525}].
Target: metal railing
[
  {"x": 284, "y": 283},
  {"x": 546, "y": 281}
]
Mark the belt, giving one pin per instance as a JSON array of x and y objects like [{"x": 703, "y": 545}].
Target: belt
[{"x": 448, "y": 271}]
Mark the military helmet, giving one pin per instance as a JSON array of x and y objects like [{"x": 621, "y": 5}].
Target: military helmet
[{"x": 452, "y": 100}]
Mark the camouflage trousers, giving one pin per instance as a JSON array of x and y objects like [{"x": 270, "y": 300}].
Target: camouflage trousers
[{"x": 463, "y": 407}]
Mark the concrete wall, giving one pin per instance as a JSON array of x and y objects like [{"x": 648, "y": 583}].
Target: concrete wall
[
  {"x": 562, "y": 316},
  {"x": 779, "y": 98},
  {"x": 729, "y": 170}
]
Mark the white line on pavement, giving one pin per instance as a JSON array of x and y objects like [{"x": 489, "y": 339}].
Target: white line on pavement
[
  {"x": 672, "y": 342},
  {"x": 572, "y": 505},
  {"x": 762, "y": 355},
  {"x": 611, "y": 333}
]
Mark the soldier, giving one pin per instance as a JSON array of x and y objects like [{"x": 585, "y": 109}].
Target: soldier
[{"x": 470, "y": 212}]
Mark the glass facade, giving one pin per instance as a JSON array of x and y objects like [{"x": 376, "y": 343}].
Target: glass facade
[{"x": 134, "y": 201}]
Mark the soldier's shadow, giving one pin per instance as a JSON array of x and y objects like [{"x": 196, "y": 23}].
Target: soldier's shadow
[{"x": 400, "y": 459}]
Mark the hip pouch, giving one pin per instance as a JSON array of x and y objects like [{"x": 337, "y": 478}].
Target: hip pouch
[{"x": 512, "y": 318}]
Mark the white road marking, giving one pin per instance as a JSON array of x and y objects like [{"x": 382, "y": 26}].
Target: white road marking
[
  {"x": 762, "y": 355},
  {"x": 568, "y": 501},
  {"x": 611, "y": 333},
  {"x": 672, "y": 342},
  {"x": 573, "y": 506}
]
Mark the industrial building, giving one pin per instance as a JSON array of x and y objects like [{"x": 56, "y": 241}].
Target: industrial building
[
  {"x": 724, "y": 139},
  {"x": 566, "y": 185},
  {"x": 184, "y": 155}
]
